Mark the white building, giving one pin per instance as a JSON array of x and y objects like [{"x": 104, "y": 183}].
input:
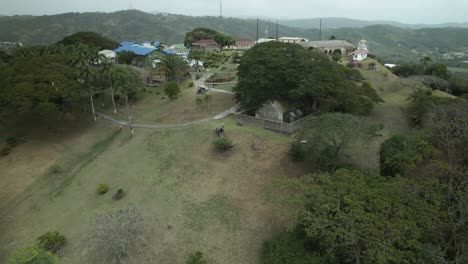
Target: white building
[
  {"x": 263, "y": 40},
  {"x": 109, "y": 54},
  {"x": 361, "y": 52},
  {"x": 292, "y": 40}
]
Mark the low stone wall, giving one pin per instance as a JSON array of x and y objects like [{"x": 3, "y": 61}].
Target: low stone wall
[{"x": 288, "y": 128}]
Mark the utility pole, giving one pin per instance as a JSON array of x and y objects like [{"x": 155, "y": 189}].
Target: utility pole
[
  {"x": 257, "y": 30},
  {"x": 277, "y": 26},
  {"x": 221, "y": 16},
  {"x": 320, "y": 32}
]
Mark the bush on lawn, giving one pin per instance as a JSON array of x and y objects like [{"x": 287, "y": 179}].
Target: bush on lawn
[
  {"x": 102, "y": 188},
  {"x": 197, "y": 258},
  {"x": 223, "y": 144},
  {"x": 32, "y": 255},
  {"x": 52, "y": 242}
]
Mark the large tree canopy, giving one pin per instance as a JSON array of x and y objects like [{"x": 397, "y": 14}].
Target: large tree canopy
[
  {"x": 90, "y": 39},
  {"x": 199, "y": 34},
  {"x": 282, "y": 71},
  {"x": 42, "y": 85}
]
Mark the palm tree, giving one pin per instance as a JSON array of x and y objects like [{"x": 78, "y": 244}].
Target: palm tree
[
  {"x": 85, "y": 61},
  {"x": 106, "y": 67},
  {"x": 127, "y": 80},
  {"x": 173, "y": 67},
  {"x": 196, "y": 55},
  {"x": 425, "y": 61}
]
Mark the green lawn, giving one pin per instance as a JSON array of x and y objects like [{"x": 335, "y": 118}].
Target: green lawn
[
  {"x": 226, "y": 87},
  {"x": 151, "y": 108},
  {"x": 201, "y": 199}
]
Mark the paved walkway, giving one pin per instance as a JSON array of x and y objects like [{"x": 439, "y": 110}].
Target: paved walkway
[{"x": 222, "y": 115}]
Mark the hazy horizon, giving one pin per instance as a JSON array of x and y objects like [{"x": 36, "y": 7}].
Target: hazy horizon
[{"x": 410, "y": 12}]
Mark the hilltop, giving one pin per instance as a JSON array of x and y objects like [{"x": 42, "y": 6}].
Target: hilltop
[
  {"x": 341, "y": 22},
  {"x": 395, "y": 44}
]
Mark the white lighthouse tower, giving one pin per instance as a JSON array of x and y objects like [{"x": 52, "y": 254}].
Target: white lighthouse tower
[{"x": 361, "y": 52}]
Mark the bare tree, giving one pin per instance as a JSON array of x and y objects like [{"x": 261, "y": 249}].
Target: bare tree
[
  {"x": 448, "y": 125},
  {"x": 120, "y": 235}
]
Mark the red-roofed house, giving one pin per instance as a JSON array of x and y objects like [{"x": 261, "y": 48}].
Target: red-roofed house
[{"x": 206, "y": 45}]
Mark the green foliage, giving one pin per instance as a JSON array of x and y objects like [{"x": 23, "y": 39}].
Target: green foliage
[
  {"x": 198, "y": 34},
  {"x": 327, "y": 136},
  {"x": 127, "y": 80},
  {"x": 191, "y": 84},
  {"x": 399, "y": 154},
  {"x": 287, "y": 72},
  {"x": 353, "y": 216},
  {"x": 235, "y": 57},
  {"x": 102, "y": 188},
  {"x": 173, "y": 67},
  {"x": 198, "y": 101},
  {"x": 172, "y": 90},
  {"x": 44, "y": 86},
  {"x": 297, "y": 152},
  {"x": 52, "y": 242},
  {"x": 126, "y": 57},
  {"x": 288, "y": 248},
  {"x": 197, "y": 76},
  {"x": 32, "y": 255},
  {"x": 224, "y": 40},
  {"x": 196, "y": 258},
  {"x": 422, "y": 101},
  {"x": 438, "y": 69},
  {"x": 119, "y": 194},
  {"x": 406, "y": 70},
  {"x": 223, "y": 144},
  {"x": 91, "y": 39}
]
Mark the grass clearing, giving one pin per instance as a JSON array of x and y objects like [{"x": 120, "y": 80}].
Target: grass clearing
[
  {"x": 151, "y": 108},
  {"x": 202, "y": 200}
]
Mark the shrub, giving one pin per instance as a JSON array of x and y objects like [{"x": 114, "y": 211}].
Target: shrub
[
  {"x": 288, "y": 247},
  {"x": 197, "y": 76},
  {"x": 297, "y": 151},
  {"x": 119, "y": 194},
  {"x": 190, "y": 84},
  {"x": 5, "y": 151},
  {"x": 223, "y": 144},
  {"x": 196, "y": 258},
  {"x": 14, "y": 141},
  {"x": 224, "y": 68},
  {"x": 32, "y": 255},
  {"x": 172, "y": 90},
  {"x": 198, "y": 101},
  {"x": 52, "y": 242},
  {"x": 102, "y": 188},
  {"x": 400, "y": 153},
  {"x": 116, "y": 97}
]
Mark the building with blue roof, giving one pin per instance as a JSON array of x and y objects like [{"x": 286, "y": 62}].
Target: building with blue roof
[{"x": 145, "y": 52}]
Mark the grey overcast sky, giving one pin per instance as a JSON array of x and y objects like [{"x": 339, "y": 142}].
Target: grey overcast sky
[{"x": 408, "y": 11}]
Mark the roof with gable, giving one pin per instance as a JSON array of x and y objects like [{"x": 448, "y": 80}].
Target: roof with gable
[
  {"x": 327, "y": 44},
  {"x": 243, "y": 40},
  {"x": 205, "y": 42},
  {"x": 138, "y": 48}
]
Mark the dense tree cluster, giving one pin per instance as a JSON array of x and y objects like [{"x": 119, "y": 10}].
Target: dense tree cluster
[
  {"x": 52, "y": 82},
  {"x": 416, "y": 211},
  {"x": 199, "y": 34},
  {"x": 90, "y": 39},
  {"x": 287, "y": 72}
]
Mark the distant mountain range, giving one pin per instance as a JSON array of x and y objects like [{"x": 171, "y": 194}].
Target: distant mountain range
[
  {"x": 338, "y": 22},
  {"x": 387, "y": 41}
]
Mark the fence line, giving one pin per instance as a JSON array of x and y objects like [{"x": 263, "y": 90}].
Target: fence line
[{"x": 288, "y": 128}]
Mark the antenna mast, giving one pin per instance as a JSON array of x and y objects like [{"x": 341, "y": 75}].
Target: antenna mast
[
  {"x": 257, "y": 30},
  {"x": 221, "y": 16},
  {"x": 277, "y": 26},
  {"x": 320, "y": 32}
]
